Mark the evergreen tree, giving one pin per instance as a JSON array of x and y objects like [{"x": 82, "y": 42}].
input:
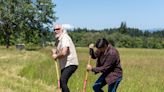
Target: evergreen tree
[{"x": 123, "y": 28}]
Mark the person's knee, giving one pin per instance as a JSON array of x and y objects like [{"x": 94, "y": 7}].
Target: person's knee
[{"x": 62, "y": 80}]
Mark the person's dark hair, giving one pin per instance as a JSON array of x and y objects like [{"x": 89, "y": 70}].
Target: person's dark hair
[{"x": 101, "y": 43}]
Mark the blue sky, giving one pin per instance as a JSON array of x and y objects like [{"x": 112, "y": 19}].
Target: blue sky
[{"x": 100, "y": 14}]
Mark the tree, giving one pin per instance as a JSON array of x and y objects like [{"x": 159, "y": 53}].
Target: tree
[
  {"x": 123, "y": 28},
  {"x": 147, "y": 33},
  {"x": 45, "y": 17},
  {"x": 26, "y": 20},
  {"x": 134, "y": 32},
  {"x": 7, "y": 19}
]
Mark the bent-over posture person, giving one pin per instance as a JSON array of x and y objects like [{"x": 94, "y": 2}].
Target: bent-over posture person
[
  {"x": 66, "y": 54},
  {"x": 108, "y": 63}
]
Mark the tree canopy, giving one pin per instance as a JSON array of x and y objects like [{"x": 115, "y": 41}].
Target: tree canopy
[{"x": 25, "y": 21}]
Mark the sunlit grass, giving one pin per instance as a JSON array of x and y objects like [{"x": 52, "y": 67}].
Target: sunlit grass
[
  {"x": 34, "y": 71},
  {"x": 143, "y": 70},
  {"x": 11, "y": 63}
]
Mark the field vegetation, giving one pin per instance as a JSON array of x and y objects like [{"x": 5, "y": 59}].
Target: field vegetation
[{"x": 34, "y": 71}]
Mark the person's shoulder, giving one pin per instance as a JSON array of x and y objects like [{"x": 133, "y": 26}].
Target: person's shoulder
[
  {"x": 65, "y": 36},
  {"x": 112, "y": 51}
]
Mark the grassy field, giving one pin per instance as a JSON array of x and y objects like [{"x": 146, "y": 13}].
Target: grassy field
[{"x": 34, "y": 71}]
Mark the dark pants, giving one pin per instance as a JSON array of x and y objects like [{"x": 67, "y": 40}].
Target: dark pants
[
  {"x": 101, "y": 83},
  {"x": 65, "y": 75}
]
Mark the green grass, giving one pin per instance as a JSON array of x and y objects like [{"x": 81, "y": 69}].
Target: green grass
[
  {"x": 34, "y": 71},
  {"x": 11, "y": 64}
]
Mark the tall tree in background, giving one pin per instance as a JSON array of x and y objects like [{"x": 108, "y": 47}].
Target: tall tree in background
[
  {"x": 7, "y": 19},
  {"x": 123, "y": 28},
  {"x": 45, "y": 17},
  {"x": 25, "y": 20}
]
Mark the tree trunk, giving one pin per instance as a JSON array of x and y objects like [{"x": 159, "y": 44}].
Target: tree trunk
[{"x": 7, "y": 39}]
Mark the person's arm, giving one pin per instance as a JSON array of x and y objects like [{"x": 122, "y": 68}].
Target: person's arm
[
  {"x": 93, "y": 54},
  {"x": 106, "y": 66},
  {"x": 61, "y": 53},
  {"x": 65, "y": 49}
]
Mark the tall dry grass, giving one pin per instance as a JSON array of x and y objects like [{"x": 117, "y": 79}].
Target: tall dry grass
[
  {"x": 34, "y": 71},
  {"x": 11, "y": 63}
]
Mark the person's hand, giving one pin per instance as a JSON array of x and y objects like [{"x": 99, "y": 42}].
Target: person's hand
[
  {"x": 54, "y": 56},
  {"x": 91, "y": 46},
  {"x": 89, "y": 67},
  {"x": 54, "y": 51}
]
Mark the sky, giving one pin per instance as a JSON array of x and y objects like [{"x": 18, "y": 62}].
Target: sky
[{"x": 100, "y": 14}]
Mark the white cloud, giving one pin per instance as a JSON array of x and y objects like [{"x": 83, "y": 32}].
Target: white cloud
[{"x": 67, "y": 26}]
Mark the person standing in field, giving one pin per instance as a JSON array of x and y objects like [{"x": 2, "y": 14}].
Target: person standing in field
[
  {"x": 66, "y": 54},
  {"x": 108, "y": 63}
]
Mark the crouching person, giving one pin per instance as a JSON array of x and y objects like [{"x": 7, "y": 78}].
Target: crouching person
[{"x": 108, "y": 63}]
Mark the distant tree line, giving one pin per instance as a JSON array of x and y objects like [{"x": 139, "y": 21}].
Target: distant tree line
[{"x": 120, "y": 37}]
